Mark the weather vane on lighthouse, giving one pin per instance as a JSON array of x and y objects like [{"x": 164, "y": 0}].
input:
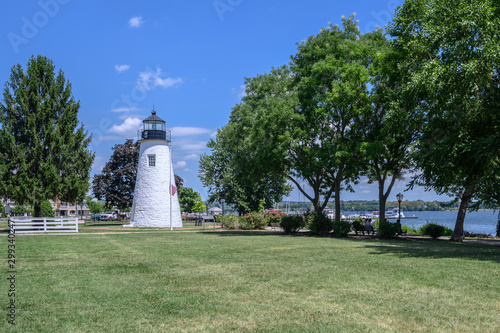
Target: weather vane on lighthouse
[{"x": 156, "y": 201}]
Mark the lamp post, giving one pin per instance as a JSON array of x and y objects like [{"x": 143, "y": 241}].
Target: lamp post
[
  {"x": 222, "y": 202},
  {"x": 399, "y": 196}
]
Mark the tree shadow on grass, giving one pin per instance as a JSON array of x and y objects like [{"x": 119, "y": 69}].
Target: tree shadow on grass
[
  {"x": 434, "y": 249},
  {"x": 401, "y": 247}
]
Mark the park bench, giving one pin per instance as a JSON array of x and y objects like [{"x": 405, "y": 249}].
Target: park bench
[{"x": 368, "y": 227}]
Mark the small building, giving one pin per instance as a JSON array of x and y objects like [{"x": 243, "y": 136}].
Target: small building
[{"x": 214, "y": 211}]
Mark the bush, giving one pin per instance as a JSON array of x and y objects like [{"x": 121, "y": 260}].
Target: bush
[
  {"x": 293, "y": 223},
  {"x": 46, "y": 209},
  {"x": 273, "y": 216},
  {"x": 228, "y": 221},
  {"x": 252, "y": 221},
  {"x": 319, "y": 223},
  {"x": 408, "y": 229},
  {"x": 432, "y": 229},
  {"x": 387, "y": 230},
  {"x": 342, "y": 228},
  {"x": 357, "y": 225}
]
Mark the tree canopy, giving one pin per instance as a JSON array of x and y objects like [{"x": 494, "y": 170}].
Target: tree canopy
[
  {"x": 452, "y": 65},
  {"x": 43, "y": 146}
]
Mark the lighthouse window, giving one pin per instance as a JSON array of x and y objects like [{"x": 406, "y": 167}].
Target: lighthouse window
[{"x": 152, "y": 160}]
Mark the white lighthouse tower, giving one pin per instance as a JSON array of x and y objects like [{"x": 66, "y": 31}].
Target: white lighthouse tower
[{"x": 156, "y": 202}]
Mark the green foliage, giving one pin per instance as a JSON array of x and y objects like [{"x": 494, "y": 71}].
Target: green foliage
[
  {"x": 387, "y": 230},
  {"x": 341, "y": 228},
  {"x": 274, "y": 216},
  {"x": 46, "y": 209},
  {"x": 95, "y": 206},
  {"x": 2, "y": 209},
  {"x": 432, "y": 229},
  {"x": 231, "y": 173},
  {"x": 252, "y": 221},
  {"x": 451, "y": 65},
  {"x": 228, "y": 221},
  {"x": 292, "y": 223},
  {"x": 357, "y": 225},
  {"x": 116, "y": 184},
  {"x": 188, "y": 198},
  {"x": 319, "y": 223},
  {"x": 199, "y": 206},
  {"x": 19, "y": 210},
  {"x": 43, "y": 144},
  {"x": 408, "y": 229}
]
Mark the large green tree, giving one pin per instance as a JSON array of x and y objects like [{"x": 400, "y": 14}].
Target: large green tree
[
  {"x": 188, "y": 198},
  {"x": 453, "y": 63},
  {"x": 298, "y": 120},
  {"x": 389, "y": 129},
  {"x": 230, "y": 173},
  {"x": 43, "y": 147}
]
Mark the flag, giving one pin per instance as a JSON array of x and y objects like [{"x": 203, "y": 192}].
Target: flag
[{"x": 174, "y": 189}]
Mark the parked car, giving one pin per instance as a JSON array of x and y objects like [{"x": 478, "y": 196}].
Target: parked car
[{"x": 108, "y": 216}]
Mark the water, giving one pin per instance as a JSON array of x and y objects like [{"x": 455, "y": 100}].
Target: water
[{"x": 483, "y": 222}]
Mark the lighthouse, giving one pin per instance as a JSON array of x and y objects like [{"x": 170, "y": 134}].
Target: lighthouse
[{"x": 156, "y": 201}]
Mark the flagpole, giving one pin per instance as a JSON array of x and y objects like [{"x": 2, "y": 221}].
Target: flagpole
[{"x": 171, "y": 192}]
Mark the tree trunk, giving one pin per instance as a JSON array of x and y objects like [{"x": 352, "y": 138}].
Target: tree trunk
[
  {"x": 458, "y": 232},
  {"x": 337, "y": 203},
  {"x": 381, "y": 203},
  {"x": 38, "y": 209}
]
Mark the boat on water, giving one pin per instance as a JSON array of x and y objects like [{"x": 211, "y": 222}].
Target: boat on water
[{"x": 394, "y": 213}]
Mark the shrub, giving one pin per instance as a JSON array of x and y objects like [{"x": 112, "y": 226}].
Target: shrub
[
  {"x": 408, "y": 229},
  {"x": 432, "y": 229},
  {"x": 228, "y": 221},
  {"x": 253, "y": 221},
  {"x": 293, "y": 223},
  {"x": 357, "y": 225},
  {"x": 46, "y": 209},
  {"x": 319, "y": 223},
  {"x": 447, "y": 231},
  {"x": 387, "y": 229},
  {"x": 342, "y": 228},
  {"x": 274, "y": 216}
]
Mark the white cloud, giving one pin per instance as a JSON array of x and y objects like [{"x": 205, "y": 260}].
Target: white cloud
[
  {"x": 136, "y": 22},
  {"x": 191, "y": 157},
  {"x": 128, "y": 128},
  {"x": 121, "y": 68},
  {"x": 180, "y": 165},
  {"x": 149, "y": 80},
  {"x": 188, "y": 131},
  {"x": 131, "y": 109}
]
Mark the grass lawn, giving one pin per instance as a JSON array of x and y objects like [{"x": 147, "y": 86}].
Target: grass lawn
[{"x": 250, "y": 281}]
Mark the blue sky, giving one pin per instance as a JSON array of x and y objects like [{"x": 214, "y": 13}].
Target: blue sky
[{"x": 188, "y": 58}]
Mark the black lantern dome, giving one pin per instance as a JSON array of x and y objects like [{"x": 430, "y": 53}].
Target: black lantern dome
[{"x": 153, "y": 128}]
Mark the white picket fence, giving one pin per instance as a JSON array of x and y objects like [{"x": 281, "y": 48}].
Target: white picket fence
[{"x": 43, "y": 224}]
